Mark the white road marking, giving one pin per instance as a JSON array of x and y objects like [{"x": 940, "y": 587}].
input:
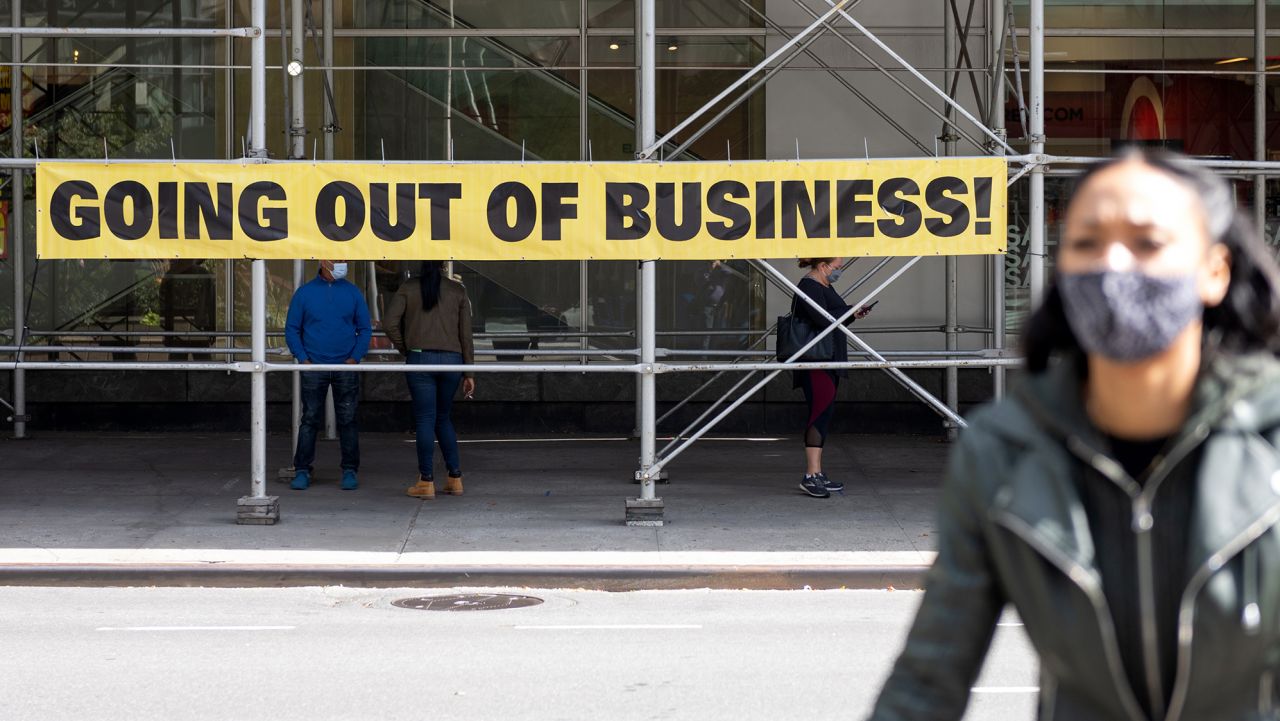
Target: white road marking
[
  {"x": 195, "y": 628},
  {"x": 1010, "y": 624},
  {"x": 613, "y": 627},
  {"x": 1006, "y": 689}
]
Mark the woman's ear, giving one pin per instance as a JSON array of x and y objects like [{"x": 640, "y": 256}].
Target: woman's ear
[{"x": 1215, "y": 275}]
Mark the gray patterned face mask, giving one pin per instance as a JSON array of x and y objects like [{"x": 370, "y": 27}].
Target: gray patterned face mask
[{"x": 1127, "y": 316}]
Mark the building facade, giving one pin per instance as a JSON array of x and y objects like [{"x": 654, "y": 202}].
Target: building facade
[{"x": 434, "y": 80}]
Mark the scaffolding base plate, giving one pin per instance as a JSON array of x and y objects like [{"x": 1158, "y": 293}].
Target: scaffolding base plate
[
  {"x": 252, "y": 511},
  {"x": 645, "y": 512}
]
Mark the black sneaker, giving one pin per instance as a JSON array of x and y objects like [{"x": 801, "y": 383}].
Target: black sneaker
[
  {"x": 814, "y": 486},
  {"x": 833, "y": 486}
]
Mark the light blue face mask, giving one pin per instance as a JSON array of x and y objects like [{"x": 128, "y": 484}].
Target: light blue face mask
[
  {"x": 834, "y": 275},
  {"x": 339, "y": 271}
]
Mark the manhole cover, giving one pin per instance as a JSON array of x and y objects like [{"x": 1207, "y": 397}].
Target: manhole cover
[{"x": 468, "y": 602}]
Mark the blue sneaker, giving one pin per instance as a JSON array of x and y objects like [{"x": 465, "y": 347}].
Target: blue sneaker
[
  {"x": 814, "y": 486},
  {"x": 301, "y": 480},
  {"x": 833, "y": 486},
  {"x": 349, "y": 482}
]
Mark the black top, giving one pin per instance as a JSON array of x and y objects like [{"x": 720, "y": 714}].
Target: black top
[
  {"x": 1111, "y": 522},
  {"x": 831, "y": 301}
]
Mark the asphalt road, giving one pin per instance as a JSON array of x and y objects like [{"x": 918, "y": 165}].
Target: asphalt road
[{"x": 339, "y": 653}]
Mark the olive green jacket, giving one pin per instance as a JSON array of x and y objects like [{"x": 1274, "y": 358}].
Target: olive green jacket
[{"x": 1012, "y": 530}]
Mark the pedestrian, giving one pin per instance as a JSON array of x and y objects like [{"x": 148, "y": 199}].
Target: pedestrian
[
  {"x": 429, "y": 322},
  {"x": 1124, "y": 499},
  {"x": 820, "y": 385},
  {"x": 328, "y": 324}
]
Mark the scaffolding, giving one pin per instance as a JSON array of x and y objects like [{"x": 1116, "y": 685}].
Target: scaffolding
[{"x": 990, "y": 83}]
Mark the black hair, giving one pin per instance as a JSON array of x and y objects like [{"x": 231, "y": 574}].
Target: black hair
[
  {"x": 1247, "y": 319},
  {"x": 429, "y": 275}
]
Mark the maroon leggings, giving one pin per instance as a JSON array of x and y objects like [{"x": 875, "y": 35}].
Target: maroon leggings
[{"x": 820, "y": 393}]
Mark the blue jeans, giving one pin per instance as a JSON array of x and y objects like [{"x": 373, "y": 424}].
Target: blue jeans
[
  {"x": 432, "y": 395},
  {"x": 346, "y": 397}
]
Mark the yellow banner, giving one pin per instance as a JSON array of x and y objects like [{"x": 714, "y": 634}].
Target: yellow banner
[{"x": 522, "y": 211}]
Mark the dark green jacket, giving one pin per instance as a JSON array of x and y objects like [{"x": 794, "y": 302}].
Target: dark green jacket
[{"x": 1012, "y": 530}]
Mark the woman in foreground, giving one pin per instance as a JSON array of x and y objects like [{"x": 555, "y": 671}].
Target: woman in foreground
[{"x": 1124, "y": 499}]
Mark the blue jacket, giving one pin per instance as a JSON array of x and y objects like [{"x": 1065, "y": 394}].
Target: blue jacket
[{"x": 328, "y": 322}]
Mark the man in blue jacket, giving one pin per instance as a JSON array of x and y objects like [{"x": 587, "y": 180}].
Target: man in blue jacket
[{"x": 328, "y": 324}]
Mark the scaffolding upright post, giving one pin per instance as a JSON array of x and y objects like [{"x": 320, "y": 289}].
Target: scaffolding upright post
[
  {"x": 996, "y": 31},
  {"x": 1260, "y": 111},
  {"x": 950, "y": 375},
  {"x": 15, "y": 232},
  {"x": 297, "y": 151},
  {"x": 647, "y": 510},
  {"x": 258, "y": 507},
  {"x": 1035, "y": 221}
]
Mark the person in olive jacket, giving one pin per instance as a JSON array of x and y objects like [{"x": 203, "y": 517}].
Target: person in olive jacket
[
  {"x": 429, "y": 321},
  {"x": 1125, "y": 498}
]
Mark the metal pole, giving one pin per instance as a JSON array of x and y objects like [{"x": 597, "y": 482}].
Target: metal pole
[
  {"x": 66, "y": 32},
  {"x": 15, "y": 232},
  {"x": 951, "y": 376},
  {"x": 1035, "y": 222},
  {"x": 996, "y": 106},
  {"x": 258, "y": 507},
  {"x": 647, "y": 509},
  {"x": 640, "y": 143},
  {"x": 298, "y": 151},
  {"x": 1260, "y": 111},
  {"x": 329, "y": 120},
  {"x": 448, "y": 93},
  {"x": 584, "y": 153}
]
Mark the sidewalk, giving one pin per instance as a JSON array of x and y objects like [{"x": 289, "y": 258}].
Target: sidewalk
[{"x": 160, "y": 510}]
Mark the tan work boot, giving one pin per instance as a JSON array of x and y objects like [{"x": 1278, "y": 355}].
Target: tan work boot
[
  {"x": 453, "y": 486},
  {"x": 424, "y": 489}
]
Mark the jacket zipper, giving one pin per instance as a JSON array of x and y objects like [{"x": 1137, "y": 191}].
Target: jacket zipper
[
  {"x": 1141, "y": 497},
  {"x": 1089, "y": 584},
  {"x": 1186, "y": 612}
]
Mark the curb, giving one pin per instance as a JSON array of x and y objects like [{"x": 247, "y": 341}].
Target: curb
[{"x": 595, "y": 578}]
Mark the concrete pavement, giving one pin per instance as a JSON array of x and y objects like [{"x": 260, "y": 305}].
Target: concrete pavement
[{"x": 160, "y": 509}]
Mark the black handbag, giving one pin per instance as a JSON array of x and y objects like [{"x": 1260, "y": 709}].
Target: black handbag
[{"x": 794, "y": 331}]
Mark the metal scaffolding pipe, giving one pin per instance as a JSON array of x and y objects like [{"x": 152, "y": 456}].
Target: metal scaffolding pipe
[
  {"x": 18, "y": 253},
  {"x": 67, "y": 32},
  {"x": 996, "y": 106},
  {"x": 1036, "y": 221},
  {"x": 923, "y": 364},
  {"x": 646, "y": 312},
  {"x": 951, "y": 377},
  {"x": 1028, "y": 159},
  {"x": 1260, "y": 111},
  {"x": 113, "y": 350},
  {"x": 258, "y": 307}
]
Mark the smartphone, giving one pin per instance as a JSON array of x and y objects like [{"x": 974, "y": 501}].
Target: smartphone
[{"x": 874, "y": 303}]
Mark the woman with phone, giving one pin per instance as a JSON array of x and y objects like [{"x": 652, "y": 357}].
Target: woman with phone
[
  {"x": 820, "y": 386},
  {"x": 429, "y": 321}
]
